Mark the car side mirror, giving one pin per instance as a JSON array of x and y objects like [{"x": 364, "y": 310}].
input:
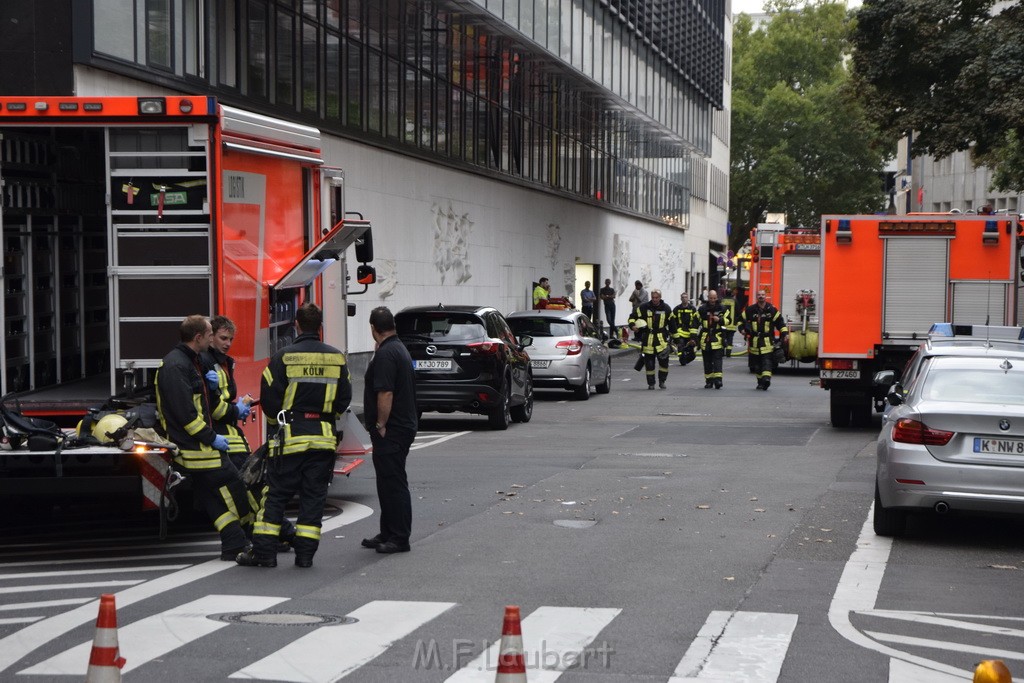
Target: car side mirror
[
  {"x": 884, "y": 378},
  {"x": 525, "y": 340},
  {"x": 895, "y": 397}
]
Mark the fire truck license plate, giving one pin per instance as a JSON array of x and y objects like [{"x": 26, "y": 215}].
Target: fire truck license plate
[
  {"x": 432, "y": 364},
  {"x": 840, "y": 374},
  {"x": 1007, "y": 446}
]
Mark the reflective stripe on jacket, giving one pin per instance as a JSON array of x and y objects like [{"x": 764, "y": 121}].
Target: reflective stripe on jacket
[
  {"x": 760, "y": 324},
  {"x": 183, "y": 407},
  {"x": 710, "y": 322},
  {"x": 660, "y": 325},
  {"x": 223, "y": 408}
]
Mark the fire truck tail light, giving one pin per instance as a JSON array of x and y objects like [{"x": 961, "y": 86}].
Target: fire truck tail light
[
  {"x": 152, "y": 106},
  {"x": 41, "y": 106},
  {"x": 838, "y": 364},
  {"x": 68, "y": 106},
  {"x": 185, "y": 106}
]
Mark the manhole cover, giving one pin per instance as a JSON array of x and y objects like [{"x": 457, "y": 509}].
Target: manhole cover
[
  {"x": 575, "y": 523},
  {"x": 282, "y": 619}
]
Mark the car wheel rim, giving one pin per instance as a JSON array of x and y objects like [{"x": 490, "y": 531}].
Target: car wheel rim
[{"x": 528, "y": 406}]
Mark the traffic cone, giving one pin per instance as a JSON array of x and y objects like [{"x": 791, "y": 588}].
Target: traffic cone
[
  {"x": 105, "y": 660},
  {"x": 992, "y": 671},
  {"x": 511, "y": 663}
]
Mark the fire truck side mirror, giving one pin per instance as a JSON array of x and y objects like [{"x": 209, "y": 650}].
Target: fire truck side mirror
[
  {"x": 351, "y": 310},
  {"x": 364, "y": 247},
  {"x": 366, "y": 275}
]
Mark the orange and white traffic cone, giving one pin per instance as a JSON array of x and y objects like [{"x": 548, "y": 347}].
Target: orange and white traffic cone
[
  {"x": 511, "y": 663},
  {"x": 105, "y": 660}
]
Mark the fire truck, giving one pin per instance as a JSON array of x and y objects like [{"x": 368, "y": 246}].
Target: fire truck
[
  {"x": 786, "y": 264},
  {"x": 122, "y": 215},
  {"x": 885, "y": 280}
]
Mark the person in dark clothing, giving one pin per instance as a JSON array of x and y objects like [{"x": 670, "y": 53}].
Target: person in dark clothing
[
  {"x": 227, "y": 411},
  {"x": 709, "y": 329},
  {"x": 389, "y": 405},
  {"x": 656, "y": 331},
  {"x": 759, "y": 323},
  {"x": 183, "y": 406},
  {"x": 304, "y": 390},
  {"x": 607, "y": 294},
  {"x": 587, "y": 301},
  {"x": 684, "y": 315}
]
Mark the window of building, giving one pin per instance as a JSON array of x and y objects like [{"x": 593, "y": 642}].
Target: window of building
[
  {"x": 257, "y": 82},
  {"x": 284, "y": 58},
  {"x": 158, "y": 35}
]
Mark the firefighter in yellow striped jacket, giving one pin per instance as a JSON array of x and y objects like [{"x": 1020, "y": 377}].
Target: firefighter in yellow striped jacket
[
  {"x": 759, "y": 323},
  {"x": 655, "y": 336},
  {"x": 227, "y": 411},
  {"x": 709, "y": 330},
  {"x": 684, "y": 315},
  {"x": 183, "y": 406},
  {"x": 305, "y": 388}
]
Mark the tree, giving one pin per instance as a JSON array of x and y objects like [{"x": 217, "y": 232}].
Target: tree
[
  {"x": 801, "y": 141},
  {"x": 950, "y": 71}
]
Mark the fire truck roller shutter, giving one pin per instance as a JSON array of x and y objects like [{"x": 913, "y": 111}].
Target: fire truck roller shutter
[
  {"x": 916, "y": 273},
  {"x": 799, "y": 272},
  {"x": 979, "y": 303}
]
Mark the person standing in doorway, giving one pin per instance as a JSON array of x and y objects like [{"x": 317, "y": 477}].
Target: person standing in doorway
[
  {"x": 389, "y": 402},
  {"x": 607, "y": 294},
  {"x": 587, "y": 301}
]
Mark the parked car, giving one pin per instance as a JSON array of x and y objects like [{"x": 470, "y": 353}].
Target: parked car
[
  {"x": 954, "y": 442},
  {"x": 467, "y": 359},
  {"x": 566, "y": 351}
]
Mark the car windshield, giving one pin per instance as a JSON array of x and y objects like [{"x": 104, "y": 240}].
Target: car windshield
[
  {"x": 440, "y": 326},
  {"x": 974, "y": 386},
  {"x": 542, "y": 327}
]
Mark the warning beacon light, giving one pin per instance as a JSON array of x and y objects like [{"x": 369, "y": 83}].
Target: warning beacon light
[
  {"x": 991, "y": 233},
  {"x": 844, "y": 233}
]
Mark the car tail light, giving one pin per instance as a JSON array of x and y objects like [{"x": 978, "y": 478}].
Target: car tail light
[
  {"x": 571, "y": 346},
  {"x": 485, "y": 348},
  {"x": 912, "y": 431},
  {"x": 838, "y": 364}
]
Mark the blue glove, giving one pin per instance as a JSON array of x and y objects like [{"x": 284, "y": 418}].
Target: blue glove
[
  {"x": 243, "y": 410},
  {"x": 220, "y": 443},
  {"x": 213, "y": 379}
]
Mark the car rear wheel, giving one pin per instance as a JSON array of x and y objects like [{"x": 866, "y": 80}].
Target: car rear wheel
[
  {"x": 501, "y": 416},
  {"x": 583, "y": 391},
  {"x": 887, "y": 521},
  {"x": 523, "y": 413},
  {"x": 606, "y": 386}
]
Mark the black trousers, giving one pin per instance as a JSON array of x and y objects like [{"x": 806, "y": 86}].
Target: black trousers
[
  {"x": 308, "y": 475},
  {"x": 257, "y": 496},
  {"x": 609, "y": 316},
  {"x": 221, "y": 495},
  {"x": 712, "y": 364},
  {"x": 652, "y": 359},
  {"x": 389, "y": 456}
]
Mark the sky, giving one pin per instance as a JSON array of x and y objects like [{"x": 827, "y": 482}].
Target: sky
[{"x": 757, "y": 6}]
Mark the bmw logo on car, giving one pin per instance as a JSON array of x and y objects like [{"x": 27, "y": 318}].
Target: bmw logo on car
[{"x": 1004, "y": 424}]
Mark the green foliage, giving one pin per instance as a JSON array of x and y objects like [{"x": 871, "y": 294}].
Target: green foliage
[
  {"x": 952, "y": 72},
  {"x": 801, "y": 141}
]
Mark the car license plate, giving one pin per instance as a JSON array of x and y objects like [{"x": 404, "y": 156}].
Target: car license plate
[
  {"x": 999, "y": 446},
  {"x": 539, "y": 363},
  {"x": 432, "y": 364},
  {"x": 840, "y": 374}
]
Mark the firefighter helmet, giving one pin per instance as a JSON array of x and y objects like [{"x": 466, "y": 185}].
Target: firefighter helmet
[
  {"x": 104, "y": 428},
  {"x": 992, "y": 671},
  {"x": 687, "y": 354}
]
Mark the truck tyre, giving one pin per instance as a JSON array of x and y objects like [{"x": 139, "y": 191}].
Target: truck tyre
[
  {"x": 862, "y": 413},
  {"x": 887, "y": 521},
  {"x": 839, "y": 411}
]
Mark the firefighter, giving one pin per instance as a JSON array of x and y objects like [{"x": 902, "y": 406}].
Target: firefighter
[
  {"x": 227, "y": 411},
  {"x": 729, "y": 304},
  {"x": 709, "y": 330},
  {"x": 305, "y": 388},
  {"x": 183, "y": 406},
  {"x": 684, "y": 314},
  {"x": 656, "y": 336},
  {"x": 541, "y": 294},
  {"x": 760, "y": 322}
]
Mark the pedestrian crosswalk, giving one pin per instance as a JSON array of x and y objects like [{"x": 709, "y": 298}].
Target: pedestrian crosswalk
[{"x": 739, "y": 647}]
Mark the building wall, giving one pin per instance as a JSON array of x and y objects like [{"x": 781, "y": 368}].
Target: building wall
[{"x": 956, "y": 183}]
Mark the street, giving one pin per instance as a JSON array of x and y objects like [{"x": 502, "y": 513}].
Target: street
[{"x": 676, "y": 535}]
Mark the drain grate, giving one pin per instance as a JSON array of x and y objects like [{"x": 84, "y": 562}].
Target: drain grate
[{"x": 282, "y": 619}]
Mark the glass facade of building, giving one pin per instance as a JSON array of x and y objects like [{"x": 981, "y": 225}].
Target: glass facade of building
[{"x": 602, "y": 100}]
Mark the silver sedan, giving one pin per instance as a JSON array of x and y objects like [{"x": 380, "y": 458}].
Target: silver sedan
[
  {"x": 566, "y": 352},
  {"x": 955, "y": 442}
]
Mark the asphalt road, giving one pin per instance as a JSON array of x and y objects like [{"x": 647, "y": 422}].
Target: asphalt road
[{"x": 685, "y": 534}]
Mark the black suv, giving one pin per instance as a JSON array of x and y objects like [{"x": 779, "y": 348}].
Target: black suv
[{"x": 467, "y": 359}]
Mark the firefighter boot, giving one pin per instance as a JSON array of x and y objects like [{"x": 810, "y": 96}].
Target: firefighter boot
[{"x": 249, "y": 558}]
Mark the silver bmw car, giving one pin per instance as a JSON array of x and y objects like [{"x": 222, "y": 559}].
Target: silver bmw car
[
  {"x": 954, "y": 442},
  {"x": 566, "y": 351}
]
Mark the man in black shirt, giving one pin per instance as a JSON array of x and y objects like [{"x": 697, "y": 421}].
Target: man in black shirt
[
  {"x": 607, "y": 294},
  {"x": 389, "y": 405}
]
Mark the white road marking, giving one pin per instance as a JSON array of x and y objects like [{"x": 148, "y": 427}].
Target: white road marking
[
  {"x": 80, "y": 546},
  {"x": 106, "y": 558},
  {"x": 91, "y": 572},
  {"x": 332, "y": 652},
  {"x": 554, "y": 639},
  {"x": 740, "y": 647},
  {"x": 21, "y": 620},
  {"x": 857, "y": 591},
  {"x": 43, "y": 603},
  {"x": 920, "y": 618},
  {"x": 17, "y": 645},
  {"x": 905, "y": 672},
  {"x": 155, "y": 636},
  {"x": 434, "y": 442},
  {"x": 985, "y": 652},
  {"x": 67, "y": 586}
]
